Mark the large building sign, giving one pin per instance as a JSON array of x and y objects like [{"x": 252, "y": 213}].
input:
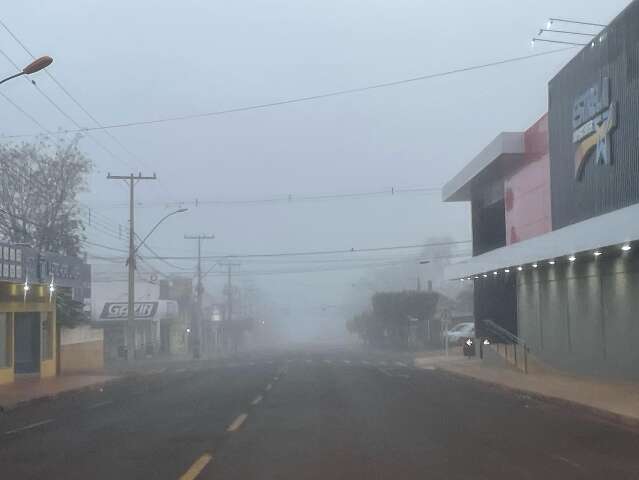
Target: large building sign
[
  {"x": 19, "y": 264},
  {"x": 120, "y": 311},
  {"x": 594, "y": 119}
]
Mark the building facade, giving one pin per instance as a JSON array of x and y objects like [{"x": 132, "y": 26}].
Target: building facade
[
  {"x": 554, "y": 215},
  {"x": 29, "y": 283}
]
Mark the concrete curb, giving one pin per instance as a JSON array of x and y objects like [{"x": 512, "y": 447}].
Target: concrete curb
[
  {"x": 597, "y": 413},
  {"x": 49, "y": 397},
  {"x": 120, "y": 376}
]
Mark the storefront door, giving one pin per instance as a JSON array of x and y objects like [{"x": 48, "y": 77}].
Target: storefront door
[{"x": 27, "y": 342}]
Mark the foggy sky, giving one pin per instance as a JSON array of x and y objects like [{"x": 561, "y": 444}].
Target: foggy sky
[{"x": 140, "y": 60}]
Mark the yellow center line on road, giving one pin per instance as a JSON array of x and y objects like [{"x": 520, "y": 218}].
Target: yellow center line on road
[
  {"x": 197, "y": 467},
  {"x": 237, "y": 423}
]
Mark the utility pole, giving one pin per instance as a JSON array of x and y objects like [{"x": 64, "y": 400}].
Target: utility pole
[
  {"x": 132, "y": 179},
  {"x": 229, "y": 289},
  {"x": 229, "y": 302},
  {"x": 200, "y": 289}
]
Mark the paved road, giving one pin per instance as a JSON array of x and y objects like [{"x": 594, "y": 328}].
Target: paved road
[{"x": 323, "y": 413}]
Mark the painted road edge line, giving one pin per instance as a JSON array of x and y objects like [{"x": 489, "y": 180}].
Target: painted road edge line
[
  {"x": 237, "y": 423},
  {"x": 257, "y": 400},
  {"x": 197, "y": 467},
  {"x": 28, "y": 427}
]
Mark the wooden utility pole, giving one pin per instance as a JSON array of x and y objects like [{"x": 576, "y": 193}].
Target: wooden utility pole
[
  {"x": 200, "y": 289},
  {"x": 132, "y": 179}
]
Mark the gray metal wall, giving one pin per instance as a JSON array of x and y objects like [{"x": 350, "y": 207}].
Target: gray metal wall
[
  {"x": 583, "y": 317},
  {"x": 602, "y": 188}
]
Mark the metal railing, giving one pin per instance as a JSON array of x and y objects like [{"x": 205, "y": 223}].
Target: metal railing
[{"x": 508, "y": 338}]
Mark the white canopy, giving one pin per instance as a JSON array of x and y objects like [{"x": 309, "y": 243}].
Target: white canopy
[{"x": 614, "y": 228}]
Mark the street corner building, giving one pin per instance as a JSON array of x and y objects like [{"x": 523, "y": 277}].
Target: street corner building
[
  {"x": 555, "y": 217},
  {"x": 29, "y": 283}
]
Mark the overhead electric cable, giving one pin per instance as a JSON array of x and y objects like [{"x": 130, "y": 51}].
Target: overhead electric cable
[{"x": 308, "y": 98}]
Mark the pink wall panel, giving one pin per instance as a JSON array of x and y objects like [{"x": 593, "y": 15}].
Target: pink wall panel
[{"x": 527, "y": 188}]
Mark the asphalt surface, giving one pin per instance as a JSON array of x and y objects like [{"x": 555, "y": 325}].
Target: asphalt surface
[{"x": 312, "y": 413}]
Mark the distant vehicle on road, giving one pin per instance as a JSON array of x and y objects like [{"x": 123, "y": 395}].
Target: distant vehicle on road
[{"x": 459, "y": 333}]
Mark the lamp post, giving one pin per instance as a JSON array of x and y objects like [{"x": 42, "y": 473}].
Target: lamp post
[
  {"x": 179, "y": 210},
  {"x": 131, "y": 289},
  {"x": 35, "y": 66}
]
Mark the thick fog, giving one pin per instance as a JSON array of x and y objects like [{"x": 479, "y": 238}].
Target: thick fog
[{"x": 133, "y": 61}]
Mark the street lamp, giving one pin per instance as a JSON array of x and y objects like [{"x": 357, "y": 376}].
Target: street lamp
[
  {"x": 35, "y": 66},
  {"x": 419, "y": 276},
  {"x": 180, "y": 210},
  {"x": 131, "y": 264}
]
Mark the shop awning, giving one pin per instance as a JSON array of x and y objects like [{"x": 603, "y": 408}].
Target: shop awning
[{"x": 612, "y": 229}]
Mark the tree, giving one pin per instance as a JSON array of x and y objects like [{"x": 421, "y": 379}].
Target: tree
[
  {"x": 69, "y": 313},
  {"x": 39, "y": 186},
  {"x": 395, "y": 309},
  {"x": 465, "y": 300}
]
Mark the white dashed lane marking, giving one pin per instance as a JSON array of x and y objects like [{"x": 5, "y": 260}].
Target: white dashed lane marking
[
  {"x": 268, "y": 387},
  {"x": 29, "y": 427},
  {"x": 237, "y": 423},
  {"x": 100, "y": 404},
  {"x": 257, "y": 400},
  {"x": 400, "y": 364}
]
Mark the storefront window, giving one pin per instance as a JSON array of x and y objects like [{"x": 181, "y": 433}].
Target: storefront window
[
  {"x": 47, "y": 336},
  {"x": 6, "y": 337}
]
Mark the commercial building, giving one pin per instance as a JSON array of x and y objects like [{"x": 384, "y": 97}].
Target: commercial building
[
  {"x": 155, "y": 329},
  {"x": 555, "y": 215},
  {"x": 29, "y": 283}
]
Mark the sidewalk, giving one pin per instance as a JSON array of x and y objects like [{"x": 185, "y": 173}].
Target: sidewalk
[
  {"x": 615, "y": 401},
  {"x": 32, "y": 388}
]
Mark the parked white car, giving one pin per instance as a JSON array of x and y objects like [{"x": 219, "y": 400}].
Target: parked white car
[{"x": 459, "y": 333}]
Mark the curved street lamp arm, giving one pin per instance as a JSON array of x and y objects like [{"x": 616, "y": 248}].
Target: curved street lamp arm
[
  {"x": 12, "y": 77},
  {"x": 181, "y": 210}
]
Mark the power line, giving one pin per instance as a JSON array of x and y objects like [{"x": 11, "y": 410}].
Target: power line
[
  {"x": 98, "y": 225},
  {"x": 25, "y": 113},
  {"x": 106, "y": 247},
  {"x": 289, "y": 198},
  {"x": 312, "y": 262},
  {"x": 309, "y": 98},
  {"x": 328, "y": 268},
  {"x": 316, "y": 252},
  {"x": 157, "y": 256},
  {"x": 79, "y": 129},
  {"x": 78, "y": 104}
]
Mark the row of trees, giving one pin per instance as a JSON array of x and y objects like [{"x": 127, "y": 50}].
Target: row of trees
[{"x": 396, "y": 318}]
